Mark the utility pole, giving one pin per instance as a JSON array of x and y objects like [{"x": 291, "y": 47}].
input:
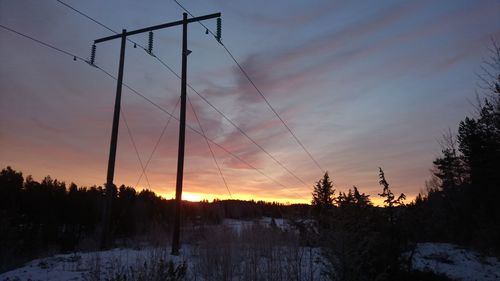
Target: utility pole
[
  {"x": 110, "y": 188},
  {"x": 182, "y": 140},
  {"x": 182, "y": 124}
]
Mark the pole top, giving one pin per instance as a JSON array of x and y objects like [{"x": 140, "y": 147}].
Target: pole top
[{"x": 155, "y": 27}]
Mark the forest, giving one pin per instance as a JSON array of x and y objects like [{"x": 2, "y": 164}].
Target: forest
[{"x": 357, "y": 240}]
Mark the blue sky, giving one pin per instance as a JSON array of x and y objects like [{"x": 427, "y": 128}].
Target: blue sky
[{"x": 362, "y": 84}]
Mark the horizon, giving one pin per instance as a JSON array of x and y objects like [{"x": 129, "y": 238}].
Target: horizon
[{"x": 197, "y": 197}]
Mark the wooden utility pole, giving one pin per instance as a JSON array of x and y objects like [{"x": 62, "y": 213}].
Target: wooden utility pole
[
  {"x": 105, "y": 238},
  {"x": 110, "y": 188},
  {"x": 182, "y": 141}
]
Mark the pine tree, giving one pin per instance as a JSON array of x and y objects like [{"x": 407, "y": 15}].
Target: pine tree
[
  {"x": 450, "y": 170},
  {"x": 322, "y": 201},
  {"x": 389, "y": 200},
  {"x": 323, "y": 194},
  {"x": 361, "y": 199}
]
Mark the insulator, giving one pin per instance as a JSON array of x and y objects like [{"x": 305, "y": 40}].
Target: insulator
[
  {"x": 219, "y": 29},
  {"x": 135, "y": 45},
  {"x": 206, "y": 31},
  {"x": 92, "y": 54},
  {"x": 150, "y": 42},
  {"x": 74, "y": 58}
]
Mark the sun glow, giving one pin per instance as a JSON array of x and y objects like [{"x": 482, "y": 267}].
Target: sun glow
[
  {"x": 198, "y": 196},
  {"x": 193, "y": 197}
]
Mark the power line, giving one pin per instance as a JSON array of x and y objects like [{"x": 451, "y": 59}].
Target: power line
[
  {"x": 157, "y": 143},
  {"x": 199, "y": 133},
  {"x": 70, "y": 7},
  {"x": 210, "y": 148},
  {"x": 99, "y": 23},
  {"x": 202, "y": 97},
  {"x": 82, "y": 59},
  {"x": 273, "y": 110},
  {"x": 248, "y": 137},
  {"x": 116, "y": 32},
  {"x": 135, "y": 147},
  {"x": 258, "y": 91},
  {"x": 152, "y": 103},
  {"x": 42, "y": 43}
]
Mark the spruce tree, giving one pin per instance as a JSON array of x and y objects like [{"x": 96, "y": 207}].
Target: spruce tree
[
  {"x": 390, "y": 200},
  {"x": 322, "y": 201},
  {"x": 323, "y": 194}
]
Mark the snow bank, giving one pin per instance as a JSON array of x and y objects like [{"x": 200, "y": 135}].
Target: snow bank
[
  {"x": 455, "y": 262},
  {"x": 79, "y": 266}
]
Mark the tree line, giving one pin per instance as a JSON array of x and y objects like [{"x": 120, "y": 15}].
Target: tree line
[
  {"x": 39, "y": 217},
  {"x": 460, "y": 203}
]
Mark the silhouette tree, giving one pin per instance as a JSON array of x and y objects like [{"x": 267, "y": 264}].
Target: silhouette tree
[
  {"x": 322, "y": 201},
  {"x": 479, "y": 144},
  {"x": 11, "y": 184},
  {"x": 353, "y": 198},
  {"x": 390, "y": 200},
  {"x": 361, "y": 199},
  {"x": 450, "y": 168},
  {"x": 464, "y": 201},
  {"x": 323, "y": 193}
]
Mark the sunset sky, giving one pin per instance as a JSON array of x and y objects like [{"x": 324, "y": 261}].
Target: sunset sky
[{"x": 362, "y": 84}]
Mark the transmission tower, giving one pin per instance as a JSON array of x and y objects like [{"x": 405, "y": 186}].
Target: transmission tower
[{"x": 110, "y": 189}]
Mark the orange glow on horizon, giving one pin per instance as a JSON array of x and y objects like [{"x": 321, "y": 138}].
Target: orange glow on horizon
[
  {"x": 199, "y": 196},
  {"x": 193, "y": 197}
]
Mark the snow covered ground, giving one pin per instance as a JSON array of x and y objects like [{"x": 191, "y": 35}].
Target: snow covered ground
[
  {"x": 105, "y": 265},
  {"x": 101, "y": 265},
  {"x": 235, "y": 248},
  {"x": 80, "y": 266},
  {"x": 455, "y": 262},
  {"x": 228, "y": 249}
]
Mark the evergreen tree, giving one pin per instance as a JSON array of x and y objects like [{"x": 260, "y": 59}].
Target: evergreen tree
[
  {"x": 11, "y": 184},
  {"x": 353, "y": 198},
  {"x": 322, "y": 201},
  {"x": 450, "y": 168},
  {"x": 390, "y": 200},
  {"x": 323, "y": 194},
  {"x": 361, "y": 199},
  {"x": 463, "y": 202}
]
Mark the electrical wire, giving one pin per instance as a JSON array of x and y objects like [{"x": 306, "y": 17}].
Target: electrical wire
[
  {"x": 157, "y": 142},
  {"x": 99, "y": 23},
  {"x": 197, "y": 93},
  {"x": 256, "y": 144},
  {"x": 199, "y": 133},
  {"x": 42, "y": 43},
  {"x": 154, "y": 104},
  {"x": 258, "y": 90},
  {"x": 82, "y": 59},
  {"x": 210, "y": 148},
  {"x": 135, "y": 147},
  {"x": 70, "y": 7}
]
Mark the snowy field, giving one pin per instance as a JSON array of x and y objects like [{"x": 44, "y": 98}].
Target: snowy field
[
  {"x": 239, "y": 250},
  {"x": 106, "y": 265},
  {"x": 234, "y": 250},
  {"x": 455, "y": 262},
  {"x": 81, "y": 266},
  {"x": 447, "y": 259}
]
